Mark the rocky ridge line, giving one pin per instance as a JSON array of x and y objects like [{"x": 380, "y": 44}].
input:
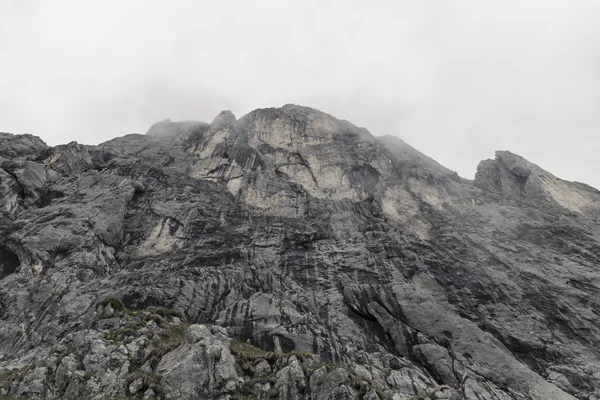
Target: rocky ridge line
[{"x": 307, "y": 243}]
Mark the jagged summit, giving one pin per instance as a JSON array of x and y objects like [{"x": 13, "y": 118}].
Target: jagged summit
[
  {"x": 224, "y": 116},
  {"x": 517, "y": 181},
  {"x": 288, "y": 254}
]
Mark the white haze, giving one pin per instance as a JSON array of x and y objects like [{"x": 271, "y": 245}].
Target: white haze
[{"x": 455, "y": 79}]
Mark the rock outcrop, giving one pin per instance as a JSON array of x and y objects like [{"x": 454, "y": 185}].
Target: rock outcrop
[{"x": 291, "y": 255}]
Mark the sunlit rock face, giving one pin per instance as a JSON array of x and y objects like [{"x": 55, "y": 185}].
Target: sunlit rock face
[{"x": 357, "y": 267}]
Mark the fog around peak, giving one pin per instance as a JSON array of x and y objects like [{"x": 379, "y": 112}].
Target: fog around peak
[{"x": 457, "y": 80}]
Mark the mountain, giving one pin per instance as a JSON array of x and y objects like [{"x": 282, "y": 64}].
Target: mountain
[{"x": 288, "y": 254}]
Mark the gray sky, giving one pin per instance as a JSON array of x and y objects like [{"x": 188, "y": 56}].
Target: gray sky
[{"x": 457, "y": 79}]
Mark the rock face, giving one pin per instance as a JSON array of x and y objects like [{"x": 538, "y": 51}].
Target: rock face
[{"x": 291, "y": 255}]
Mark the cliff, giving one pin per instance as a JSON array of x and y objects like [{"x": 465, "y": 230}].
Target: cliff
[{"x": 288, "y": 254}]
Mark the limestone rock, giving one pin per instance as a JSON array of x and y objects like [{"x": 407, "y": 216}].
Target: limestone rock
[
  {"x": 291, "y": 254},
  {"x": 201, "y": 367}
]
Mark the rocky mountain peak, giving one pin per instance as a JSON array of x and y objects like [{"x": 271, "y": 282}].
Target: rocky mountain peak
[
  {"x": 518, "y": 181},
  {"x": 20, "y": 146},
  {"x": 289, "y": 254},
  {"x": 224, "y": 117}
]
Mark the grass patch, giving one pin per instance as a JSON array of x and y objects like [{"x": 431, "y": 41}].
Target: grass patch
[
  {"x": 269, "y": 378},
  {"x": 169, "y": 338},
  {"x": 116, "y": 304},
  {"x": 329, "y": 366},
  {"x": 137, "y": 319},
  {"x": 248, "y": 389},
  {"x": 126, "y": 331},
  {"x": 150, "y": 380},
  {"x": 158, "y": 314},
  {"x": 7, "y": 378},
  {"x": 166, "y": 312},
  {"x": 245, "y": 351},
  {"x": 301, "y": 355}
]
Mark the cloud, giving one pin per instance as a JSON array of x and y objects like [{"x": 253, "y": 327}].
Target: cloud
[{"x": 457, "y": 79}]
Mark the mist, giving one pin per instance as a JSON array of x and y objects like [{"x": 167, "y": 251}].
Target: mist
[{"x": 455, "y": 79}]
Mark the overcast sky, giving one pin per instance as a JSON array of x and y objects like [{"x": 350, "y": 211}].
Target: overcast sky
[{"x": 457, "y": 79}]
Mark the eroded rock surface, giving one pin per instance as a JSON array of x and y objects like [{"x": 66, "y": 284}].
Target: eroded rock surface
[{"x": 288, "y": 254}]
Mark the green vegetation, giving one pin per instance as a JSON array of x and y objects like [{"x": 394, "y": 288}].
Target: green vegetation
[
  {"x": 300, "y": 355},
  {"x": 329, "y": 366},
  {"x": 128, "y": 330},
  {"x": 157, "y": 313},
  {"x": 150, "y": 380},
  {"x": 249, "y": 356},
  {"x": 247, "y": 352},
  {"x": 6, "y": 378},
  {"x": 169, "y": 338},
  {"x": 116, "y": 304},
  {"x": 262, "y": 379},
  {"x": 140, "y": 318},
  {"x": 166, "y": 312}
]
